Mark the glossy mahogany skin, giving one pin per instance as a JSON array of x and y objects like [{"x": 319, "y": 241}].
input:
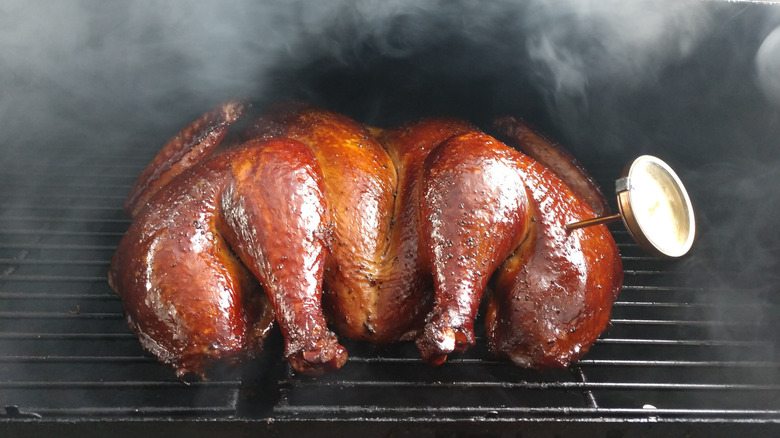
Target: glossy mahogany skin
[
  {"x": 360, "y": 182},
  {"x": 191, "y": 145},
  {"x": 393, "y": 234},
  {"x": 463, "y": 201},
  {"x": 553, "y": 297},
  {"x": 406, "y": 275},
  {"x": 188, "y": 297},
  {"x": 276, "y": 219},
  {"x": 377, "y": 286},
  {"x": 475, "y": 213},
  {"x": 553, "y": 156}
]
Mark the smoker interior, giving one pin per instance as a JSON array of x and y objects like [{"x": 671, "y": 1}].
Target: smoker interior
[
  {"x": 669, "y": 355},
  {"x": 691, "y": 348}
]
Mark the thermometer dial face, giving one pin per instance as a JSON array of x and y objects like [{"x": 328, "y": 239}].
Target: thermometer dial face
[{"x": 656, "y": 208}]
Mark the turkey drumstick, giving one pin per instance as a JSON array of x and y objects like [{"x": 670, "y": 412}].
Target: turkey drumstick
[
  {"x": 475, "y": 213},
  {"x": 186, "y": 294},
  {"x": 385, "y": 234}
]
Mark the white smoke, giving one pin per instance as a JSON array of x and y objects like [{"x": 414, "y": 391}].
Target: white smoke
[
  {"x": 582, "y": 43},
  {"x": 100, "y": 74},
  {"x": 768, "y": 65},
  {"x": 75, "y": 64}
]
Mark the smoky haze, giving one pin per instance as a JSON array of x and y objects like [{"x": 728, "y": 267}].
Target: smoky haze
[
  {"x": 693, "y": 82},
  {"x": 87, "y": 66}
]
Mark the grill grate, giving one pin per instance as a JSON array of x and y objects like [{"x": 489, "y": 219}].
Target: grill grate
[{"x": 672, "y": 353}]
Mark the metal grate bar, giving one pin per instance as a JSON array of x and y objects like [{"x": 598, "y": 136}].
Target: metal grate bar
[
  {"x": 47, "y": 187},
  {"x": 677, "y": 363},
  {"x": 59, "y": 246},
  {"x": 53, "y": 199},
  {"x": 590, "y": 399},
  {"x": 63, "y": 336},
  {"x": 61, "y": 385},
  {"x": 40, "y": 262},
  {"x": 79, "y": 209},
  {"x": 59, "y": 315},
  {"x": 58, "y": 296},
  {"x": 686, "y": 305},
  {"x": 35, "y": 232},
  {"x": 53, "y": 278},
  {"x": 64, "y": 220},
  {"x": 685, "y": 342},
  {"x": 77, "y": 359},
  {"x": 582, "y": 385},
  {"x": 581, "y": 363},
  {"x": 566, "y": 412},
  {"x": 680, "y": 322},
  {"x": 66, "y": 336},
  {"x": 52, "y": 174},
  {"x": 135, "y": 412}
]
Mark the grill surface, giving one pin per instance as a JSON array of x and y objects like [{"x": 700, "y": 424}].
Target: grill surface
[
  {"x": 692, "y": 349},
  {"x": 671, "y": 355}
]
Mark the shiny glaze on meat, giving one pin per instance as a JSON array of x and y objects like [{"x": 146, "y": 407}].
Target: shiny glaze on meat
[
  {"x": 192, "y": 144},
  {"x": 377, "y": 285},
  {"x": 393, "y": 234},
  {"x": 475, "y": 213},
  {"x": 360, "y": 182},
  {"x": 553, "y": 297},
  {"x": 186, "y": 294},
  {"x": 554, "y": 157}
]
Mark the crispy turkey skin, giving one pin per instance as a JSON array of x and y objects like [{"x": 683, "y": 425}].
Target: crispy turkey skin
[{"x": 313, "y": 220}]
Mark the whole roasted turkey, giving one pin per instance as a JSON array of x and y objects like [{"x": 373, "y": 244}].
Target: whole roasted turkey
[{"x": 314, "y": 221}]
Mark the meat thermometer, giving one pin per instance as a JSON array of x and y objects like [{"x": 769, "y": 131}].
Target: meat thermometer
[{"x": 654, "y": 206}]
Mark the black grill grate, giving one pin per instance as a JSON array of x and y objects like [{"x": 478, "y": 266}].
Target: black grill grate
[{"x": 672, "y": 353}]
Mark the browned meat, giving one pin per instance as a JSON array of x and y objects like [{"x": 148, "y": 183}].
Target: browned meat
[
  {"x": 186, "y": 294},
  {"x": 552, "y": 298},
  {"x": 360, "y": 181},
  {"x": 189, "y": 146},
  {"x": 392, "y": 234},
  {"x": 377, "y": 286},
  {"x": 475, "y": 213},
  {"x": 553, "y": 156}
]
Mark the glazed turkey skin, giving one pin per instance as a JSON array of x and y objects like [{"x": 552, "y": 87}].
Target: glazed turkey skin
[{"x": 315, "y": 221}]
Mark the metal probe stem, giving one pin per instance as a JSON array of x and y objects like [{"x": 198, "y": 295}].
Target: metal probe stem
[{"x": 594, "y": 221}]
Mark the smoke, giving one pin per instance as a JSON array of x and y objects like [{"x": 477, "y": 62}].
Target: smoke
[
  {"x": 579, "y": 45},
  {"x": 610, "y": 79},
  {"x": 94, "y": 69},
  {"x": 89, "y": 70},
  {"x": 694, "y": 82},
  {"x": 768, "y": 66}
]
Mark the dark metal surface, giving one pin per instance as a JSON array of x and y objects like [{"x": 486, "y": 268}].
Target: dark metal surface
[
  {"x": 89, "y": 91},
  {"x": 671, "y": 356}
]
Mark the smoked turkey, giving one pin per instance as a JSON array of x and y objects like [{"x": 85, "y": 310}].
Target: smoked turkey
[{"x": 312, "y": 220}]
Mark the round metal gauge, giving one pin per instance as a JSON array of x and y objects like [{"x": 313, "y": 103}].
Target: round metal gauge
[{"x": 654, "y": 207}]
